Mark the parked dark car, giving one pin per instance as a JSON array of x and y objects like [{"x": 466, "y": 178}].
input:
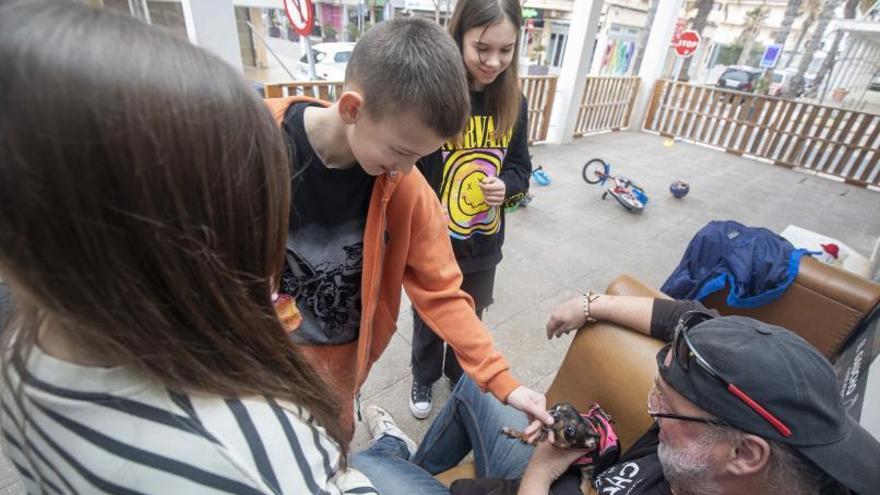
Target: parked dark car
[{"x": 739, "y": 78}]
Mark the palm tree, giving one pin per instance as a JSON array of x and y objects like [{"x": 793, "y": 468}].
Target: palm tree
[
  {"x": 791, "y": 11},
  {"x": 797, "y": 82},
  {"x": 849, "y": 12},
  {"x": 643, "y": 36},
  {"x": 754, "y": 21},
  {"x": 704, "y": 8},
  {"x": 812, "y": 9}
]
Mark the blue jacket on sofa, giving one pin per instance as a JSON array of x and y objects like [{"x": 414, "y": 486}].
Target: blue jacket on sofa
[{"x": 755, "y": 263}]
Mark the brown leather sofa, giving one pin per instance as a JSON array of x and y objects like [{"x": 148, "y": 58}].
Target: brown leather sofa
[{"x": 614, "y": 366}]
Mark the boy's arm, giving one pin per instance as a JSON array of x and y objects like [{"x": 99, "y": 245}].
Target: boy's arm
[
  {"x": 432, "y": 280},
  {"x": 517, "y": 166}
]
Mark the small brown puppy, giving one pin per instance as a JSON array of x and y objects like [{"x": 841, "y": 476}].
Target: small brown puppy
[{"x": 571, "y": 430}]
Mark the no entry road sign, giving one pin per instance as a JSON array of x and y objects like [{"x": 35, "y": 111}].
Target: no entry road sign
[{"x": 301, "y": 16}]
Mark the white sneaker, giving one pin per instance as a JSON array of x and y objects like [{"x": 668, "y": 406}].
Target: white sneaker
[
  {"x": 420, "y": 399},
  {"x": 381, "y": 423}
]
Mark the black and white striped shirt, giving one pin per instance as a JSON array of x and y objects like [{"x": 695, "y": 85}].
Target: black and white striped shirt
[{"x": 110, "y": 430}]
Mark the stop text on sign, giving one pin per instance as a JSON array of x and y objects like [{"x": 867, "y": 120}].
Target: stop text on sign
[{"x": 687, "y": 43}]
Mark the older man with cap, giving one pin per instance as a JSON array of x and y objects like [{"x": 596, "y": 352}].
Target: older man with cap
[{"x": 740, "y": 407}]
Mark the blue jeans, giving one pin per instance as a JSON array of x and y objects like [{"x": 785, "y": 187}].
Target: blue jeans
[{"x": 470, "y": 420}]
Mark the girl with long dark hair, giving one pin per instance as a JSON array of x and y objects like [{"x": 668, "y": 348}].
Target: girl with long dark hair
[{"x": 144, "y": 191}]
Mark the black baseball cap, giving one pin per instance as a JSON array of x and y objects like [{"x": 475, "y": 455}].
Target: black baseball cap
[{"x": 788, "y": 377}]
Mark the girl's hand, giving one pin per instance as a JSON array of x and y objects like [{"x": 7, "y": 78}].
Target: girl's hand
[
  {"x": 494, "y": 190},
  {"x": 566, "y": 317}
]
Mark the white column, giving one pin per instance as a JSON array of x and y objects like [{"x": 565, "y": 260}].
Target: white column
[
  {"x": 344, "y": 35},
  {"x": 210, "y": 24},
  {"x": 574, "y": 70},
  {"x": 655, "y": 57}
]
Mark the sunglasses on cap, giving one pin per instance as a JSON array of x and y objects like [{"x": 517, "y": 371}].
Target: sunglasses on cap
[
  {"x": 683, "y": 352},
  {"x": 654, "y": 402}
]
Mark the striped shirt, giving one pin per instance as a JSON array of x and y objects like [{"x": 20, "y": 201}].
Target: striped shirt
[{"x": 75, "y": 429}]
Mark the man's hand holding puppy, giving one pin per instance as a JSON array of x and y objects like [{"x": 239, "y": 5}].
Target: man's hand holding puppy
[{"x": 547, "y": 464}]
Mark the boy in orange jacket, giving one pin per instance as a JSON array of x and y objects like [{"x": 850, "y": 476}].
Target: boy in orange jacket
[{"x": 363, "y": 222}]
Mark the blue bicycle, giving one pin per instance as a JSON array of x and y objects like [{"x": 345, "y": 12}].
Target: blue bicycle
[{"x": 625, "y": 191}]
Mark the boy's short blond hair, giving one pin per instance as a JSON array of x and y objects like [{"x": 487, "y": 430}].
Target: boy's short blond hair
[{"x": 411, "y": 64}]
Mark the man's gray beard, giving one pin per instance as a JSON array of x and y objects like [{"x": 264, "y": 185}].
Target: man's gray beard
[{"x": 688, "y": 470}]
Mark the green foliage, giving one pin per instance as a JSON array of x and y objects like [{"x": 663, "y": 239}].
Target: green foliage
[
  {"x": 353, "y": 31},
  {"x": 762, "y": 86},
  {"x": 729, "y": 54},
  {"x": 754, "y": 20},
  {"x": 755, "y": 56}
]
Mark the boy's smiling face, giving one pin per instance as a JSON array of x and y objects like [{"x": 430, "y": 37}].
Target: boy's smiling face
[{"x": 391, "y": 144}]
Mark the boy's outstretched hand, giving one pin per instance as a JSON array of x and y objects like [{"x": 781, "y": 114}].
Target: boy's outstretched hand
[{"x": 534, "y": 405}]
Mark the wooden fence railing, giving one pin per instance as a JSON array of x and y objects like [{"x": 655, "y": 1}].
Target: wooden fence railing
[
  {"x": 325, "y": 90},
  {"x": 606, "y": 104},
  {"x": 793, "y": 134},
  {"x": 539, "y": 92}
]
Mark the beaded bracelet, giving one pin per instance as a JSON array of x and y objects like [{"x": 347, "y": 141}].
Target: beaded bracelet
[{"x": 588, "y": 298}]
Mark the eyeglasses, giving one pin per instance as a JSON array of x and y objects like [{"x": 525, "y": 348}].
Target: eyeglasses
[
  {"x": 654, "y": 408},
  {"x": 682, "y": 349}
]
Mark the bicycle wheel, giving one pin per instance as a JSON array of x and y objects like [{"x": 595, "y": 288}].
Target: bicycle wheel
[{"x": 594, "y": 171}]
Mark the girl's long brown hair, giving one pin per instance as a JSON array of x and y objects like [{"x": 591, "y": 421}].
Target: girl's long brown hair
[
  {"x": 503, "y": 96},
  {"x": 144, "y": 192}
]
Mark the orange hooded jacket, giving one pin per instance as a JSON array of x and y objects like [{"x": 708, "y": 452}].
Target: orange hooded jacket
[{"x": 406, "y": 243}]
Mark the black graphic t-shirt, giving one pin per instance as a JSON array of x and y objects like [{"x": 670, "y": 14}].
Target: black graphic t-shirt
[
  {"x": 325, "y": 242},
  {"x": 637, "y": 472},
  {"x": 456, "y": 170}
]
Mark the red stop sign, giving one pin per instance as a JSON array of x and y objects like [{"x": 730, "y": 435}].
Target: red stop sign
[{"x": 687, "y": 44}]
